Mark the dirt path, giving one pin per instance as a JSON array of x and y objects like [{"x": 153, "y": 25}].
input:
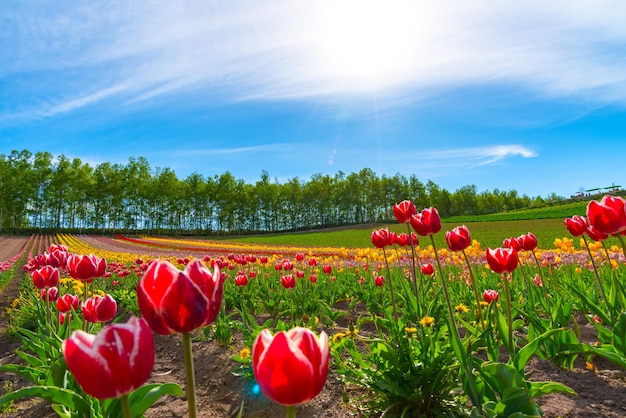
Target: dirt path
[{"x": 9, "y": 246}]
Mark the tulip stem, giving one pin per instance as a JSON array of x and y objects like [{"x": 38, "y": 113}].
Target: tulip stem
[
  {"x": 393, "y": 297},
  {"x": 49, "y": 324},
  {"x": 191, "y": 383},
  {"x": 476, "y": 294},
  {"x": 509, "y": 317},
  {"x": 126, "y": 409},
  {"x": 623, "y": 242},
  {"x": 291, "y": 411},
  {"x": 595, "y": 270},
  {"x": 413, "y": 244},
  {"x": 457, "y": 345}
]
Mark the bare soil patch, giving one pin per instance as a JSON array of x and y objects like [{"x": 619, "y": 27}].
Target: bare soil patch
[{"x": 11, "y": 245}]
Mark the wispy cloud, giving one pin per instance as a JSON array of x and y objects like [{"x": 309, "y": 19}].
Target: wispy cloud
[
  {"x": 493, "y": 154},
  {"x": 434, "y": 160},
  {"x": 278, "y": 50},
  {"x": 201, "y": 152}
]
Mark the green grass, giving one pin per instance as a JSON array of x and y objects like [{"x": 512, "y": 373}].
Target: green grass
[
  {"x": 552, "y": 212},
  {"x": 488, "y": 233},
  {"x": 490, "y": 230}
]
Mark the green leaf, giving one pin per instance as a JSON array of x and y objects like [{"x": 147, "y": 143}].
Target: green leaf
[
  {"x": 502, "y": 327},
  {"x": 31, "y": 374},
  {"x": 517, "y": 400},
  {"x": 29, "y": 358},
  {"x": 143, "y": 398},
  {"x": 538, "y": 389},
  {"x": 502, "y": 376},
  {"x": 619, "y": 334},
  {"x": 608, "y": 352},
  {"x": 68, "y": 398},
  {"x": 592, "y": 306},
  {"x": 529, "y": 349}
]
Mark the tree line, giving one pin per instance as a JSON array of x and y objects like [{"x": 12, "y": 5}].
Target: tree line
[{"x": 46, "y": 193}]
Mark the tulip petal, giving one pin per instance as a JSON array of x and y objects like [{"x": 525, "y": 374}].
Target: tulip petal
[
  {"x": 115, "y": 362},
  {"x": 284, "y": 374},
  {"x": 184, "y": 306}
]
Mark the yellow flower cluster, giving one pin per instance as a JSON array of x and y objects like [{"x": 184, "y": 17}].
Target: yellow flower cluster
[
  {"x": 461, "y": 308},
  {"x": 564, "y": 244},
  {"x": 427, "y": 321}
]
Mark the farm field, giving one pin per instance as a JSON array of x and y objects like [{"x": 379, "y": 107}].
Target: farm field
[{"x": 367, "y": 297}]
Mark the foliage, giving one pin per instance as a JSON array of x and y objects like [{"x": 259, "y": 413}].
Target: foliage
[{"x": 52, "y": 193}]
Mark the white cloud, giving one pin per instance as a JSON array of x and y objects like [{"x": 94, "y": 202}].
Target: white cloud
[
  {"x": 430, "y": 160},
  {"x": 281, "y": 49}
]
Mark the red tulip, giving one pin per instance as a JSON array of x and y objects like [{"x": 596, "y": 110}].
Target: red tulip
[
  {"x": 63, "y": 315},
  {"x": 404, "y": 239},
  {"x": 609, "y": 215},
  {"x": 179, "y": 301},
  {"x": 45, "y": 277},
  {"x": 291, "y": 367},
  {"x": 86, "y": 267},
  {"x": 427, "y": 222},
  {"x": 99, "y": 308},
  {"x": 241, "y": 279},
  {"x": 458, "y": 239},
  {"x": 502, "y": 259},
  {"x": 379, "y": 281},
  {"x": 528, "y": 242},
  {"x": 113, "y": 363},
  {"x": 382, "y": 238},
  {"x": 576, "y": 225},
  {"x": 404, "y": 210},
  {"x": 595, "y": 234},
  {"x": 57, "y": 257},
  {"x": 49, "y": 294},
  {"x": 512, "y": 243},
  {"x": 313, "y": 278},
  {"x": 327, "y": 269},
  {"x": 427, "y": 269},
  {"x": 67, "y": 302},
  {"x": 288, "y": 281},
  {"x": 299, "y": 256},
  {"x": 490, "y": 295},
  {"x": 58, "y": 247}
]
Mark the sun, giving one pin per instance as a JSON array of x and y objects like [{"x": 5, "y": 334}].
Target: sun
[{"x": 360, "y": 42}]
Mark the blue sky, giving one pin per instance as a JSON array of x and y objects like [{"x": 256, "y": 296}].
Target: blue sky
[{"x": 528, "y": 96}]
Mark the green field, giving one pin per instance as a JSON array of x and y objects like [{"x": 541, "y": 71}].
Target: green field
[{"x": 490, "y": 230}]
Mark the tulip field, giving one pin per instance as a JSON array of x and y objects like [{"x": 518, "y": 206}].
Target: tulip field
[{"x": 421, "y": 322}]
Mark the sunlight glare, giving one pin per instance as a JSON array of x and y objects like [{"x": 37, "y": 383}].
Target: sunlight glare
[{"x": 373, "y": 42}]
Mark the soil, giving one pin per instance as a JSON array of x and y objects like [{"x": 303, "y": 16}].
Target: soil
[{"x": 220, "y": 393}]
